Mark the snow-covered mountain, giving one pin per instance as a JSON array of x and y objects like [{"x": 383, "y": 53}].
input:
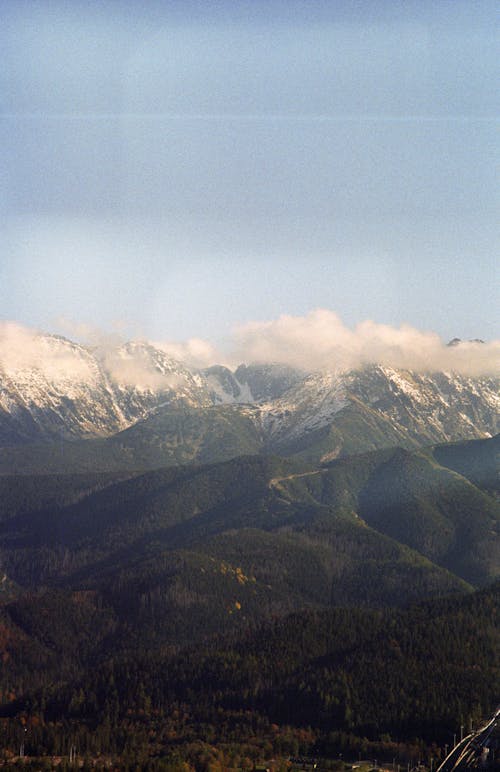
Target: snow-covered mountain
[
  {"x": 65, "y": 389},
  {"x": 378, "y": 406},
  {"x": 60, "y": 389},
  {"x": 441, "y": 406}
]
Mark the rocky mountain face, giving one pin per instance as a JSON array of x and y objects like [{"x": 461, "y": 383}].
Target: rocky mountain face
[
  {"x": 339, "y": 413},
  {"x": 439, "y": 406},
  {"x": 67, "y": 391},
  {"x": 268, "y": 381}
]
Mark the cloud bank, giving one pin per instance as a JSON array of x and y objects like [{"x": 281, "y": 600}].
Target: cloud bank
[
  {"x": 195, "y": 352},
  {"x": 130, "y": 366},
  {"x": 317, "y": 341},
  {"x": 127, "y": 365},
  {"x": 23, "y": 350},
  {"x": 321, "y": 341}
]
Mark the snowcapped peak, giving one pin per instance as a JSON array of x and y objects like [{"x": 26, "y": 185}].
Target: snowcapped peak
[
  {"x": 138, "y": 365},
  {"x": 32, "y": 356},
  {"x": 49, "y": 385}
]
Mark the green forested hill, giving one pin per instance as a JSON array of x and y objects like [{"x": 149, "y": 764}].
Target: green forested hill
[
  {"x": 173, "y": 436},
  {"x": 108, "y": 578},
  {"x": 169, "y": 437},
  {"x": 478, "y": 460},
  {"x": 383, "y": 528},
  {"x": 26, "y": 494}
]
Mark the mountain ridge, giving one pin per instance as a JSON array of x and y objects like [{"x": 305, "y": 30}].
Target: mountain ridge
[{"x": 119, "y": 396}]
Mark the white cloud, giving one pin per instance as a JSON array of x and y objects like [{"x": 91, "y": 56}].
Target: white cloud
[
  {"x": 321, "y": 341},
  {"x": 317, "y": 341},
  {"x": 91, "y": 335},
  {"x": 127, "y": 366},
  {"x": 134, "y": 369},
  {"x": 194, "y": 352},
  {"x": 23, "y": 349}
]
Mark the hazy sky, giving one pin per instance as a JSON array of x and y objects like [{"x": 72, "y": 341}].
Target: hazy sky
[{"x": 183, "y": 167}]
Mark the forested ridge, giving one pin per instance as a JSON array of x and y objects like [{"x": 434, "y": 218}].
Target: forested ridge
[{"x": 221, "y": 615}]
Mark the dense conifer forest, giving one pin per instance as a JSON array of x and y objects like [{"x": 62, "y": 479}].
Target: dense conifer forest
[{"x": 232, "y": 614}]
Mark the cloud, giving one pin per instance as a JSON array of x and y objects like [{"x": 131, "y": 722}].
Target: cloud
[
  {"x": 129, "y": 365},
  {"x": 91, "y": 335},
  {"x": 195, "y": 352},
  {"x": 132, "y": 366},
  {"x": 317, "y": 341},
  {"x": 321, "y": 341},
  {"x": 23, "y": 349}
]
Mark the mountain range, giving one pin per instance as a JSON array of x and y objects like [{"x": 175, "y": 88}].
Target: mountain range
[
  {"x": 192, "y": 553},
  {"x": 134, "y": 406},
  {"x": 384, "y": 480}
]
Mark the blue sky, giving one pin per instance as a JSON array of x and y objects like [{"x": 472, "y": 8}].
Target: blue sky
[{"x": 179, "y": 168}]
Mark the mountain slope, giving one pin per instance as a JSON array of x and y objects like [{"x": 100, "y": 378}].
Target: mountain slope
[
  {"x": 479, "y": 461},
  {"x": 329, "y": 415},
  {"x": 381, "y": 528},
  {"x": 58, "y": 391}
]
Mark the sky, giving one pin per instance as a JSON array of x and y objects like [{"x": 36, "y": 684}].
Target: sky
[{"x": 176, "y": 170}]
